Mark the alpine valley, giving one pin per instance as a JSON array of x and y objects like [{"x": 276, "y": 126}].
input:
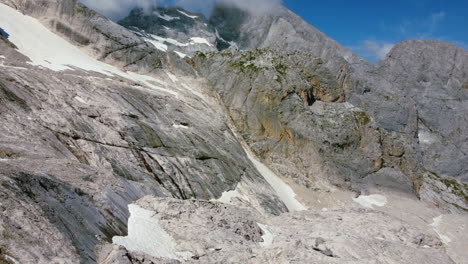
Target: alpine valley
[{"x": 171, "y": 137}]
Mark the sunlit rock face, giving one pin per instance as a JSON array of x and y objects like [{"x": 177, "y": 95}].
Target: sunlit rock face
[{"x": 224, "y": 139}]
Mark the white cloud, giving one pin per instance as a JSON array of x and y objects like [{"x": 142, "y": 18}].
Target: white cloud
[
  {"x": 422, "y": 27},
  {"x": 373, "y": 50},
  {"x": 379, "y": 50},
  {"x": 255, "y": 6},
  {"x": 117, "y": 9}
]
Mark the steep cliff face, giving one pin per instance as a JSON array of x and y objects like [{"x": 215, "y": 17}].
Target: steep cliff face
[
  {"x": 82, "y": 139},
  {"x": 96, "y": 116},
  {"x": 394, "y": 100},
  {"x": 432, "y": 74}
]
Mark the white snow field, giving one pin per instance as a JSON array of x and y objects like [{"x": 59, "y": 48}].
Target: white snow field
[
  {"x": 370, "y": 200},
  {"x": 284, "y": 191},
  {"x": 48, "y": 50},
  {"x": 147, "y": 236}
]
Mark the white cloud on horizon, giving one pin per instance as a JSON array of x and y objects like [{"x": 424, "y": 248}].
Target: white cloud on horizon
[
  {"x": 117, "y": 9},
  {"x": 373, "y": 50}
]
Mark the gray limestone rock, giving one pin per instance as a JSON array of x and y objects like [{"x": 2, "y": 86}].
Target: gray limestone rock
[
  {"x": 213, "y": 233},
  {"x": 77, "y": 146}
]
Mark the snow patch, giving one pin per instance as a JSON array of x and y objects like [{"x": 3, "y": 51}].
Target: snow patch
[
  {"x": 180, "y": 54},
  {"x": 180, "y": 126},
  {"x": 284, "y": 191},
  {"x": 437, "y": 221},
  {"x": 147, "y": 80},
  {"x": 11, "y": 259},
  {"x": 166, "y": 17},
  {"x": 2, "y": 57},
  {"x": 160, "y": 42},
  {"x": 81, "y": 100},
  {"x": 157, "y": 44},
  {"x": 12, "y": 67},
  {"x": 187, "y": 15},
  {"x": 426, "y": 137},
  {"x": 147, "y": 236},
  {"x": 45, "y": 49},
  {"x": 370, "y": 200},
  {"x": 200, "y": 41},
  {"x": 169, "y": 40},
  {"x": 172, "y": 77},
  {"x": 267, "y": 237},
  {"x": 227, "y": 196}
]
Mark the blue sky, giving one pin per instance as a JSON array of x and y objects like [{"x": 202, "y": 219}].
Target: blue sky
[{"x": 371, "y": 28}]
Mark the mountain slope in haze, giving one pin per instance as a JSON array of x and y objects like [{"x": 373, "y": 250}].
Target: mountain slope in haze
[
  {"x": 146, "y": 144},
  {"x": 172, "y": 28}
]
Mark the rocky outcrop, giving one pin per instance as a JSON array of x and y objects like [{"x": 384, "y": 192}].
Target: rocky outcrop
[
  {"x": 387, "y": 98},
  {"x": 290, "y": 110},
  {"x": 213, "y": 232}
]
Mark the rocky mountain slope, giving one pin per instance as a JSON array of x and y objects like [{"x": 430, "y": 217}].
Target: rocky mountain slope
[{"x": 263, "y": 139}]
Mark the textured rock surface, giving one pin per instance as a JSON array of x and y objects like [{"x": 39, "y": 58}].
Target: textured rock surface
[
  {"x": 173, "y": 29},
  {"x": 216, "y": 232},
  {"x": 77, "y": 146},
  {"x": 301, "y": 64}
]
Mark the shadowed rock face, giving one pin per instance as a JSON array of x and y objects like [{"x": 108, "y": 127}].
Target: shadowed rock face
[
  {"x": 76, "y": 147},
  {"x": 173, "y": 28},
  {"x": 3, "y": 34}
]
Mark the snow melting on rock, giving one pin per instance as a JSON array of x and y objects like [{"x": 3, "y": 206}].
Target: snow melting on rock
[
  {"x": 146, "y": 235},
  {"x": 157, "y": 44},
  {"x": 437, "y": 221},
  {"x": 176, "y": 126},
  {"x": 81, "y": 100},
  {"x": 187, "y": 15},
  {"x": 48, "y": 50},
  {"x": 172, "y": 77},
  {"x": 180, "y": 54},
  {"x": 200, "y": 41},
  {"x": 165, "y": 17},
  {"x": 370, "y": 200},
  {"x": 227, "y": 196},
  {"x": 267, "y": 237},
  {"x": 426, "y": 137},
  {"x": 12, "y": 259},
  {"x": 284, "y": 191}
]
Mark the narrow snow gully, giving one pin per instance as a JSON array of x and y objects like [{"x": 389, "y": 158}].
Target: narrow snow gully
[{"x": 283, "y": 190}]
